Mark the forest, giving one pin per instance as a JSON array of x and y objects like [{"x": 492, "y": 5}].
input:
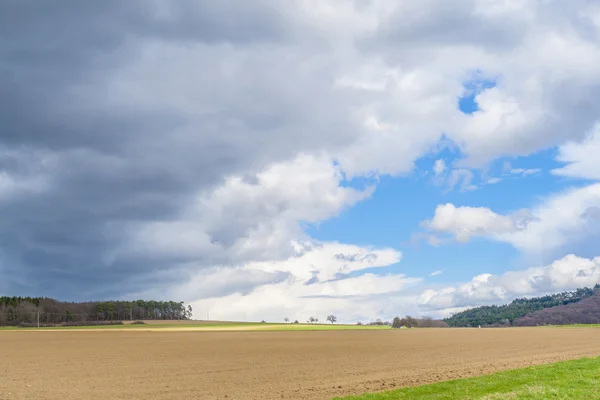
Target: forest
[
  {"x": 25, "y": 311},
  {"x": 586, "y": 311},
  {"x": 509, "y": 314}
]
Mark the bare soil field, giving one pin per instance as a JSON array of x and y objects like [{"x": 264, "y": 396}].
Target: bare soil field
[{"x": 266, "y": 365}]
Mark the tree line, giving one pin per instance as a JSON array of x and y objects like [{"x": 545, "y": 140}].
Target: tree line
[
  {"x": 506, "y": 315},
  {"x": 409, "y": 322},
  {"x": 26, "y": 310},
  {"x": 423, "y": 322}
]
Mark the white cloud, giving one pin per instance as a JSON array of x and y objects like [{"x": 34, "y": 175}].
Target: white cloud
[
  {"x": 523, "y": 113},
  {"x": 567, "y": 273},
  {"x": 582, "y": 158},
  {"x": 560, "y": 220},
  {"x": 466, "y": 222},
  {"x": 436, "y": 273},
  {"x": 493, "y": 181}
]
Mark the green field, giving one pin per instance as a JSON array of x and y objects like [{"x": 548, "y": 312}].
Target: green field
[
  {"x": 578, "y": 379},
  {"x": 210, "y": 326}
]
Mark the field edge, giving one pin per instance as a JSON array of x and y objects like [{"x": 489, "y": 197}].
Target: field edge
[
  {"x": 572, "y": 379},
  {"x": 207, "y": 326}
]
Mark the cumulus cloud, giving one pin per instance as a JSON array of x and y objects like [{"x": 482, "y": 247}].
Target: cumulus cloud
[
  {"x": 560, "y": 220},
  {"x": 567, "y": 273},
  {"x": 144, "y": 144},
  {"x": 526, "y": 109},
  {"x": 466, "y": 222},
  {"x": 249, "y": 217}
]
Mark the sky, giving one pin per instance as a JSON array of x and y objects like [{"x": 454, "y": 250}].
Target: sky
[{"x": 266, "y": 159}]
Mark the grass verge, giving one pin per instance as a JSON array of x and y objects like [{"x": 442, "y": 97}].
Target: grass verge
[{"x": 577, "y": 379}]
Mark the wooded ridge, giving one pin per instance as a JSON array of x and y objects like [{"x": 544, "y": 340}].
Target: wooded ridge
[
  {"x": 518, "y": 311},
  {"x": 26, "y": 310}
]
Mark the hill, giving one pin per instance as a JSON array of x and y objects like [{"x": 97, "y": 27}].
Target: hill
[
  {"x": 25, "y": 310},
  {"x": 586, "y": 311},
  {"x": 505, "y": 315}
]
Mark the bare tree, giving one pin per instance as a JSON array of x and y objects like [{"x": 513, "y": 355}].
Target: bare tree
[
  {"x": 312, "y": 320},
  {"x": 411, "y": 322},
  {"x": 286, "y": 319},
  {"x": 332, "y": 319}
]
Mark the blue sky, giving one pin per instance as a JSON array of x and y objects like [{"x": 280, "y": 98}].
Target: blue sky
[{"x": 395, "y": 211}]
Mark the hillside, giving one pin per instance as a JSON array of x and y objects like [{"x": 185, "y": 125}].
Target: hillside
[
  {"x": 25, "y": 310},
  {"x": 586, "y": 311},
  {"x": 505, "y": 315}
]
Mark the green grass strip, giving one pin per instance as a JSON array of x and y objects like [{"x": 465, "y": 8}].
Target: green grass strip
[{"x": 577, "y": 379}]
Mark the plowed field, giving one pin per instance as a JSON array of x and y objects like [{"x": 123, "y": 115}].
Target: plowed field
[{"x": 266, "y": 365}]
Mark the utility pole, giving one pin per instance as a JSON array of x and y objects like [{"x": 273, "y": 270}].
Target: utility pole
[{"x": 38, "y": 319}]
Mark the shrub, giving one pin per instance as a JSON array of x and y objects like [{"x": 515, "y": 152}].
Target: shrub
[{"x": 34, "y": 325}]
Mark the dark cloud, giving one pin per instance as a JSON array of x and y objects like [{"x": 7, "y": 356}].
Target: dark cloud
[
  {"x": 441, "y": 23},
  {"x": 116, "y": 114}
]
